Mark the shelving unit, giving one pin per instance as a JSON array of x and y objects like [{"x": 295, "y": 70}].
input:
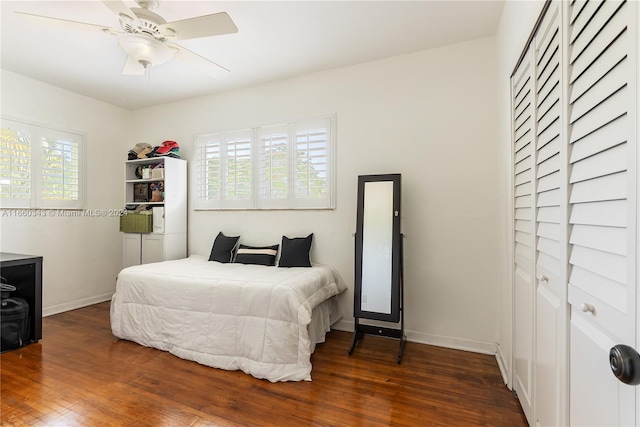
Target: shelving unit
[
  {"x": 169, "y": 238},
  {"x": 131, "y": 179}
]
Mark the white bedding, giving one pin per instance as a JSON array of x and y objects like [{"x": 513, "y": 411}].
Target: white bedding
[{"x": 230, "y": 316}]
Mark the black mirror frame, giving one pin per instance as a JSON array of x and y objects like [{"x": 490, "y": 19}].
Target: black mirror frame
[{"x": 396, "y": 256}]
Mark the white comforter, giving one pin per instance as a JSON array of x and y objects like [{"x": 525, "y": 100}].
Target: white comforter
[{"x": 230, "y": 316}]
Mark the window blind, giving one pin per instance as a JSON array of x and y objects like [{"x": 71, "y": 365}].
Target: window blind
[
  {"x": 312, "y": 156},
  {"x": 60, "y": 169},
  {"x": 209, "y": 158},
  {"x": 40, "y": 167},
  {"x": 15, "y": 165},
  {"x": 280, "y": 166},
  {"x": 273, "y": 166},
  {"x": 238, "y": 169},
  {"x": 224, "y": 163}
]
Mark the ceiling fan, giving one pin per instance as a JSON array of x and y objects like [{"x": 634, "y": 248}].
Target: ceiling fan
[{"x": 147, "y": 38}]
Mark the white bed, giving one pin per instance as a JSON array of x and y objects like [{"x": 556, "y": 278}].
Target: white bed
[{"x": 262, "y": 320}]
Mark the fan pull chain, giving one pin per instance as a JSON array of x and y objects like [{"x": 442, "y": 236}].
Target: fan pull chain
[{"x": 147, "y": 69}]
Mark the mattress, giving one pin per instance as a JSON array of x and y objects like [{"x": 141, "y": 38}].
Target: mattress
[{"x": 253, "y": 318}]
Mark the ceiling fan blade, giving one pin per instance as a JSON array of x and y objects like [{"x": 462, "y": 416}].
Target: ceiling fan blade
[
  {"x": 120, "y": 9},
  {"x": 199, "y": 62},
  {"x": 201, "y": 26},
  {"x": 132, "y": 67},
  {"x": 38, "y": 19}
]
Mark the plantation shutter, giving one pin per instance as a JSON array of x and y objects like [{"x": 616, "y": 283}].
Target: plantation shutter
[
  {"x": 523, "y": 140},
  {"x": 312, "y": 174},
  {"x": 280, "y": 166},
  {"x": 273, "y": 167},
  {"x": 209, "y": 167},
  {"x": 238, "y": 168},
  {"x": 61, "y": 163},
  {"x": 40, "y": 167},
  {"x": 224, "y": 167},
  {"x": 15, "y": 165}
]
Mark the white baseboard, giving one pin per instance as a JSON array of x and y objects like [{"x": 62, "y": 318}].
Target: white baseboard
[
  {"x": 343, "y": 325},
  {"x": 437, "y": 340},
  {"x": 68, "y": 306},
  {"x": 502, "y": 365}
]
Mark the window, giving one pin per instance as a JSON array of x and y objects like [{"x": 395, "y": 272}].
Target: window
[
  {"x": 281, "y": 166},
  {"x": 39, "y": 167}
]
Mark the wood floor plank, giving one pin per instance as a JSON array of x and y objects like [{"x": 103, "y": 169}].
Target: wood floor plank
[{"x": 79, "y": 374}]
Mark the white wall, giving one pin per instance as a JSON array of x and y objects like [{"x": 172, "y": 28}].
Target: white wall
[
  {"x": 82, "y": 255},
  {"x": 517, "y": 21},
  {"x": 432, "y": 117},
  {"x": 429, "y": 115}
]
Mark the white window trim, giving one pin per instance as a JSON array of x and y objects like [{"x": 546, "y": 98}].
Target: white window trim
[
  {"x": 37, "y": 132},
  {"x": 291, "y": 202}
]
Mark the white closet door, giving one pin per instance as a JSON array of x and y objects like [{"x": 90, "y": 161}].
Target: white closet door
[
  {"x": 523, "y": 180},
  {"x": 551, "y": 307},
  {"x": 602, "y": 185}
]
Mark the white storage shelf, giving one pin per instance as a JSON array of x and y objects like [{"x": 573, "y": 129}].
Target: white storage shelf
[
  {"x": 172, "y": 242},
  {"x": 131, "y": 179}
]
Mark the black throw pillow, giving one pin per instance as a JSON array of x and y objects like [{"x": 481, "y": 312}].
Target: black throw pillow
[
  {"x": 260, "y": 255},
  {"x": 295, "y": 252},
  {"x": 224, "y": 248}
]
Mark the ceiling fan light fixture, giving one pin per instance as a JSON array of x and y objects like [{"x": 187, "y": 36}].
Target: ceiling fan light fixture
[{"x": 145, "y": 49}]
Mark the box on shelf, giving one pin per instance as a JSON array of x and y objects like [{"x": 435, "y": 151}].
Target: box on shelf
[
  {"x": 157, "y": 173},
  {"x": 158, "y": 219},
  {"x": 141, "y": 192},
  {"x": 136, "y": 223}
]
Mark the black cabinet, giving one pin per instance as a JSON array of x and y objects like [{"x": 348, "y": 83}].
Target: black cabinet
[{"x": 25, "y": 273}]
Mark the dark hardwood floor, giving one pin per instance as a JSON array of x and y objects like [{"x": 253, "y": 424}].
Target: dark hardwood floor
[{"x": 81, "y": 375}]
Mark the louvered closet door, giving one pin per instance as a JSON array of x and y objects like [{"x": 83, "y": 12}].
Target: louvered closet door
[
  {"x": 522, "y": 116},
  {"x": 602, "y": 185},
  {"x": 550, "y": 219}
]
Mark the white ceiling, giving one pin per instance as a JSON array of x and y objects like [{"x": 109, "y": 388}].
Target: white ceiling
[{"x": 275, "y": 40}]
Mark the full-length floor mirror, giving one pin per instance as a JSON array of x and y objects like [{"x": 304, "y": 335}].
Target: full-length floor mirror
[{"x": 378, "y": 256}]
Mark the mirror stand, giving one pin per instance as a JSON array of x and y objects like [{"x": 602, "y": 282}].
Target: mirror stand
[
  {"x": 378, "y": 285},
  {"x": 361, "y": 329}
]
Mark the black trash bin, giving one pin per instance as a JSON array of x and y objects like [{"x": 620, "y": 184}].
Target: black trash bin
[{"x": 14, "y": 320}]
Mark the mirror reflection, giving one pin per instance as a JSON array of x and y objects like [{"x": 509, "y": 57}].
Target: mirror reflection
[{"x": 377, "y": 245}]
